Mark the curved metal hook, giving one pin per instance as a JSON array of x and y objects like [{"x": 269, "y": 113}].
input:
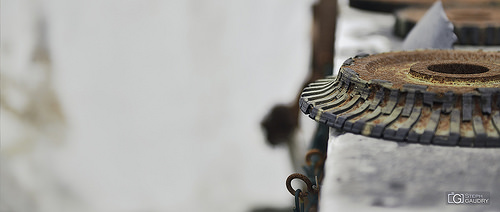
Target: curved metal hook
[
  {"x": 304, "y": 179},
  {"x": 313, "y": 152}
]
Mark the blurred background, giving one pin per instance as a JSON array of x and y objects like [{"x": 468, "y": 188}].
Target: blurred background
[{"x": 135, "y": 106}]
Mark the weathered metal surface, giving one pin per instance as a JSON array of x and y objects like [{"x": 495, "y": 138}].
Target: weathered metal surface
[
  {"x": 304, "y": 200},
  {"x": 473, "y": 26},
  {"x": 442, "y": 97},
  {"x": 392, "y": 5}
]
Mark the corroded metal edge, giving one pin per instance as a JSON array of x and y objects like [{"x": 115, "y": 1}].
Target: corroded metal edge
[
  {"x": 484, "y": 31},
  {"x": 410, "y": 114},
  {"x": 393, "y": 5}
]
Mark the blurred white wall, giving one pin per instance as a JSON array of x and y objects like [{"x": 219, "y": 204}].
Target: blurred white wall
[{"x": 147, "y": 105}]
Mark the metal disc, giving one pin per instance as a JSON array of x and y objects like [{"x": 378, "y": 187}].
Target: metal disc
[
  {"x": 392, "y": 5},
  {"x": 473, "y": 26},
  {"x": 442, "y": 97}
]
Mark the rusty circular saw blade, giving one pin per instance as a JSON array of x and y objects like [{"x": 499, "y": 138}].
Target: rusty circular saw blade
[
  {"x": 393, "y": 5},
  {"x": 441, "y": 97},
  {"x": 472, "y": 25}
]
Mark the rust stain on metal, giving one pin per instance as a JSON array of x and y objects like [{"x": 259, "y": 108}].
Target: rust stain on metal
[
  {"x": 391, "y": 5},
  {"x": 304, "y": 179},
  {"x": 397, "y": 68},
  {"x": 474, "y": 24},
  {"x": 443, "y": 97}
]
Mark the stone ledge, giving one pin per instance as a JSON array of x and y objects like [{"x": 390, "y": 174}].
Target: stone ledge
[{"x": 367, "y": 174}]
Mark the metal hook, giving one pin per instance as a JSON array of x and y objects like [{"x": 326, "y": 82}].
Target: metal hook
[
  {"x": 304, "y": 179},
  {"x": 313, "y": 152}
]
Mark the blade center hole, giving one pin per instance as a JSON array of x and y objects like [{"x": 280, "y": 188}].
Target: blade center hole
[{"x": 457, "y": 68}]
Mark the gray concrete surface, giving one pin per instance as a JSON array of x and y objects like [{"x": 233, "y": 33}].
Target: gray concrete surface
[{"x": 368, "y": 174}]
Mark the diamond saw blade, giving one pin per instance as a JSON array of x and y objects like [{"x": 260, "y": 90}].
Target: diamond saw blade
[
  {"x": 472, "y": 25},
  {"x": 392, "y": 5},
  {"x": 441, "y": 97}
]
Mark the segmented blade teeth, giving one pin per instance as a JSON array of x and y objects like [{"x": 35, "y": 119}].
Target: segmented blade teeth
[
  {"x": 473, "y": 26},
  {"x": 441, "y": 97}
]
